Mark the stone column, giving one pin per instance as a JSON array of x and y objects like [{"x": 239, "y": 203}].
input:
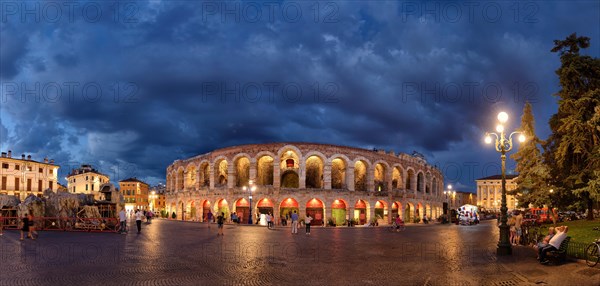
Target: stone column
[
  {"x": 327, "y": 175},
  {"x": 371, "y": 211},
  {"x": 211, "y": 174},
  {"x": 253, "y": 169},
  {"x": 231, "y": 176},
  {"x": 350, "y": 212},
  {"x": 197, "y": 185},
  {"x": 370, "y": 179},
  {"x": 276, "y": 173},
  {"x": 389, "y": 210},
  {"x": 388, "y": 179},
  {"x": 302, "y": 174},
  {"x": 350, "y": 178}
]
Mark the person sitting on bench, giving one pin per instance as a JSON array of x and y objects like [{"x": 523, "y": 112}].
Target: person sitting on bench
[{"x": 554, "y": 244}]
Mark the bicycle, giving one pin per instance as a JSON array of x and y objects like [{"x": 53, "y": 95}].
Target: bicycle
[
  {"x": 592, "y": 253},
  {"x": 395, "y": 228}
]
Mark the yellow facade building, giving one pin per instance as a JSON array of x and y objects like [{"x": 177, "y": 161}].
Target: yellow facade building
[
  {"x": 489, "y": 192},
  {"x": 86, "y": 180},
  {"x": 21, "y": 177},
  {"x": 135, "y": 193}
]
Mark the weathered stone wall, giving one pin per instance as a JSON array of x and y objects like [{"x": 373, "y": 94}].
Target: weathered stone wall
[{"x": 325, "y": 172}]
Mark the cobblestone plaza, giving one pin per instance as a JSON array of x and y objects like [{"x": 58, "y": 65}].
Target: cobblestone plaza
[{"x": 186, "y": 253}]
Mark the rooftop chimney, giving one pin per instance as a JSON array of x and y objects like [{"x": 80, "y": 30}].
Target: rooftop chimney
[
  {"x": 51, "y": 161},
  {"x": 3, "y": 154},
  {"x": 28, "y": 157},
  {"x": 9, "y": 153},
  {"x": 46, "y": 160},
  {"x": 22, "y": 156}
]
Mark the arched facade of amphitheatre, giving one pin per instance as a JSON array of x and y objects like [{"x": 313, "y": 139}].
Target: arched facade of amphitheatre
[{"x": 332, "y": 183}]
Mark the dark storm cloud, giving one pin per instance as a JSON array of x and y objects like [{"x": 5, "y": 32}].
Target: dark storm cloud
[{"x": 179, "y": 81}]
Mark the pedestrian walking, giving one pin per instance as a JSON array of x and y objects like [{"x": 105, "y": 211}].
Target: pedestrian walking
[
  {"x": 268, "y": 221},
  {"x": 24, "y": 226},
  {"x": 209, "y": 218},
  {"x": 220, "y": 220},
  {"x": 123, "y": 221},
  {"x": 32, "y": 230},
  {"x": 295, "y": 223},
  {"x": 138, "y": 220},
  {"x": 307, "y": 221}
]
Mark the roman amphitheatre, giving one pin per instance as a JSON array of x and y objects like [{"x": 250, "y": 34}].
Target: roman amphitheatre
[{"x": 334, "y": 184}]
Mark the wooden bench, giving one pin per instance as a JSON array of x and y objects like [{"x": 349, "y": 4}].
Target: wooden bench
[{"x": 559, "y": 255}]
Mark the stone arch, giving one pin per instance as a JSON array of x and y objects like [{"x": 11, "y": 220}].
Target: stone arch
[
  {"x": 204, "y": 173},
  {"x": 313, "y": 166},
  {"x": 191, "y": 211},
  {"x": 427, "y": 211},
  {"x": 206, "y": 209},
  {"x": 419, "y": 211},
  {"x": 265, "y": 164},
  {"x": 261, "y": 208},
  {"x": 242, "y": 169},
  {"x": 397, "y": 172},
  {"x": 190, "y": 176},
  {"x": 396, "y": 210},
  {"x": 420, "y": 182},
  {"x": 287, "y": 207},
  {"x": 339, "y": 167},
  {"x": 380, "y": 175},
  {"x": 316, "y": 209},
  {"x": 361, "y": 211},
  {"x": 409, "y": 212},
  {"x": 290, "y": 166},
  {"x": 381, "y": 211},
  {"x": 428, "y": 189},
  {"x": 339, "y": 211},
  {"x": 289, "y": 152},
  {"x": 222, "y": 206},
  {"x": 361, "y": 168},
  {"x": 241, "y": 207},
  {"x": 220, "y": 171},
  {"x": 410, "y": 177},
  {"x": 290, "y": 179}
]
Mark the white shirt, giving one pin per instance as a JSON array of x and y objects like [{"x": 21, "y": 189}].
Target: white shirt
[
  {"x": 122, "y": 216},
  {"x": 307, "y": 220},
  {"x": 139, "y": 215},
  {"x": 557, "y": 239}
]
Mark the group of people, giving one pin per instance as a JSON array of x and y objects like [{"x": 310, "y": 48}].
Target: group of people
[
  {"x": 515, "y": 223},
  {"x": 27, "y": 225},
  {"x": 551, "y": 242},
  {"x": 139, "y": 216}
]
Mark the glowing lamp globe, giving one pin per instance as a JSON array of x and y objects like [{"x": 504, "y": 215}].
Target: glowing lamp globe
[{"x": 502, "y": 117}]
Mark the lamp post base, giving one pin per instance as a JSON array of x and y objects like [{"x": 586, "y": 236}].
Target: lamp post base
[
  {"x": 504, "y": 250},
  {"x": 504, "y": 247}
]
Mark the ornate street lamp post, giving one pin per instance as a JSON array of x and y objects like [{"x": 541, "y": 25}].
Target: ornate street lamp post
[
  {"x": 447, "y": 193},
  {"x": 251, "y": 188},
  {"x": 503, "y": 145}
]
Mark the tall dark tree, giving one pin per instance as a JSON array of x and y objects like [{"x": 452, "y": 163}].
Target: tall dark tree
[
  {"x": 533, "y": 180},
  {"x": 574, "y": 152}
]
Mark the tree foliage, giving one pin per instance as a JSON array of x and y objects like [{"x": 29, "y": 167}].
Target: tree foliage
[
  {"x": 573, "y": 147},
  {"x": 533, "y": 180}
]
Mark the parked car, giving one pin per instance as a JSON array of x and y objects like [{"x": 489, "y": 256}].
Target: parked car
[{"x": 530, "y": 219}]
